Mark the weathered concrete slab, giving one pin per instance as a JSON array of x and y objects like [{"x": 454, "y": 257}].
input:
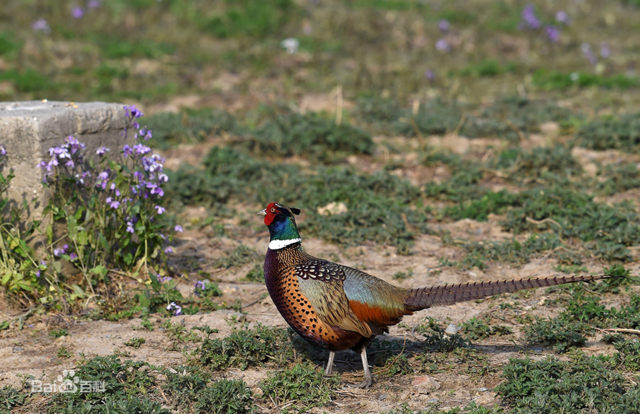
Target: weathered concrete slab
[{"x": 28, "y": 129}]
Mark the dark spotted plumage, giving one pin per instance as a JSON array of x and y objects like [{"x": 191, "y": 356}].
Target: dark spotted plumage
[{"x": 337, "y": 307}]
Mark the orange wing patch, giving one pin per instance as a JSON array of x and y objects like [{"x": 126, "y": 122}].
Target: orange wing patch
[{"x": 375, "y": 314}]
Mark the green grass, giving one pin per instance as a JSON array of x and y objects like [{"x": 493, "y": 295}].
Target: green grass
[
  {"x": 303, "y": 384},
  {"x": 550, "y": 80},
  {"x": 11, "y": 398},
  {"x": 579, "y": 385},
  {"x": 377, "y": 204},
  {"x": 245, "y": 348},
  {"x": 619, "y": 133}
]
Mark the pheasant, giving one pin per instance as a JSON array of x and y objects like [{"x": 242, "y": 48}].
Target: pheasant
[{"x": 337, "y": 307}]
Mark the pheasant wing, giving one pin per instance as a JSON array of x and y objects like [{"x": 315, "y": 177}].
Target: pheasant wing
[{"x": 322, "y": 282}]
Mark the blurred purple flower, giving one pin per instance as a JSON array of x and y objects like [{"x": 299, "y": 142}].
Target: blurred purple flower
[
  {"x": 442, "y": 45},
  {"x": 93, "y": 4},
  {"x": 2, "y": 150},
  {"x": 588, "y": 53},
  {"x": 141, "y": 149},
  {"x": 529, "y": 17},
  {"x": 443, "y": 25},
  {"x": 132, "y": 112},
  {"x": 114, "y": 204},
  {"x": 429, "y": 75},
  {"x": 201, "y": 284},
  {"x": 160, "y": 209},
  {"x": 553, "y": 33},
  {"x": 562, "y": 17},
  {"x": 178, "y": 228},
  {"x": 62, "y": 250},
  {"x": 605, "y": 52},
  {"x": 177, "y": 310},
  {"x": 77, "y": 12},
  {"x": 168, "y": 250},
  {"x": 102, "y": 150},
  {"x": 130, "y": 227},
  {"x": 127, "y": 151},
  {"x": 73, "y": 257},
  {"x": 41, "y": 25}
]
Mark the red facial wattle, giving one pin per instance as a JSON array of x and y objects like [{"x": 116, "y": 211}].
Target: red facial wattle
[{"x": 271, "y": 211}]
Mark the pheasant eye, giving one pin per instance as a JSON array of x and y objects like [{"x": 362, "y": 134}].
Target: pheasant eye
[{"x": 273, "y": 210}]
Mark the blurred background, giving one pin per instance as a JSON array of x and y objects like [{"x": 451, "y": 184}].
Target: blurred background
[{"x": 236, "y": 54}]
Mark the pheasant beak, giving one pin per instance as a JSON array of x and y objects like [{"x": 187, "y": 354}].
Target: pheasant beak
[{"x": 262, "y": 213}]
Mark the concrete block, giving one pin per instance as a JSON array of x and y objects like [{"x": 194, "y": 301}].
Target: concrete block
[{"x": 28, "y": 129}]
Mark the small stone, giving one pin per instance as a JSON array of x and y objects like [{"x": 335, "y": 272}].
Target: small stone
[
  {"x": 433, "y": 400},
  {"x": 483, "y": 389},
  {"x": 486, "y": 398},
  {"x": 18, "y": 349},
  {"x": 426, "y": 382},
  {"x": 333, "y": 209},
  {"x": 451, "y": 329},
  {"x": 383, "y": 397},
  {"x": 107, "y": 336}
]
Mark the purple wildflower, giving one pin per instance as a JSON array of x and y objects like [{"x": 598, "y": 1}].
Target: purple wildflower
[
  {"x": 178, "y": 228},
  {"x": 102, "y": 150},
  {"x": 2, "y": 150},
  {"x": 130, "y": 227},
  {"x": 93, "y": 4},
  {"x": 74, "y": 145},
  {"x": 145, "y": 133},
  {"x": 41, "y": 25},
  {"x": 588, "y": 53},
  {"x": 562, "y": 17},
  {"x": 57, "y": 252},
  {"x": 605, "y": 52},
  {"x": 115, "y": 204},
  {"x": 132, "y": 112},
  {"x": 160, "y": 209},
  {"x": 155, "y": 190},
  {"x": 201, "y": 284},
  {"x": 442, "y": 45},
  {"x": 553, "y": 33},
  {"x": 38, "y": 273},
  {"x": 443, "y": 25},
  {"x": 177, "y": 310},
  {"x": 429, "y": 74},
  {"x": 77, "y": 12},
  {"x": 168, "y": 250},
  {"x": 529, "y": 17},
  {"x": 73, "y": 257},
  {"x": 141, "y": 149},
  {"x": 127, "y": 151}
]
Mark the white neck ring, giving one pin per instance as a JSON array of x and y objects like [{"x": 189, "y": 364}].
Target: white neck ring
[{"x": 280, "y": 244}]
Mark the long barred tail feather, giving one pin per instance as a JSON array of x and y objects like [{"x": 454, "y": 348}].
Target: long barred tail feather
[{"x": 423, "y": 298}]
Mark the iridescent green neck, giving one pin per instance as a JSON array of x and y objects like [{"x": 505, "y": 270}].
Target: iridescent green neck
[{"x": 283, "y": 232}]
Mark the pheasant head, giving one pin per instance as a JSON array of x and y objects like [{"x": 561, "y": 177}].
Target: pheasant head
[{"x": 282, "y": 225}]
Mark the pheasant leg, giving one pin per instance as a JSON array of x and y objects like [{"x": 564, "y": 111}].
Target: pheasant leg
[
  {"x": 329, "y": 369},
  {"x": 368, "y": 379}
]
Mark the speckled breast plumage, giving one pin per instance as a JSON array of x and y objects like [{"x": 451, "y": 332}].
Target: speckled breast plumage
[{"x": 295, "y": 307}]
